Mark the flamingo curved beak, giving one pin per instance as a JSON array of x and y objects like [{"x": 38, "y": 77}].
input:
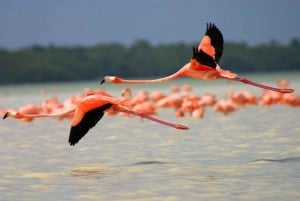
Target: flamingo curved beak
[{"x": 5, "y": 115}]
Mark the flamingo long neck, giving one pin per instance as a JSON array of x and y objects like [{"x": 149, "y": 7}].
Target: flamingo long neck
[
  {"x": 142, "y": 115},
  {"x": 163, "y": 79},
  {"x": 53, "y": 114},
  {"x": 20, "y": 115},
  {"x": 246, "y": 81}
]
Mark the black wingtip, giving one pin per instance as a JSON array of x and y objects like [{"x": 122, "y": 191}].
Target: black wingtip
[
  {"x": 74, "y": 139},
  {"x": 194, "y": 52},
  {"x": 210, "y": 26},
  {"x": 5, "y": 115},
  {"x": 216, "y": 39},
  {"x": 72, "y": 143},
  {"x": 102, "y": 81},
  {"x": 88, "y": 121}
]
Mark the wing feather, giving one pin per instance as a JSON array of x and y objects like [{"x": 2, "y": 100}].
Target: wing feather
[
  {"x": 210, "y": 48},
  {"x": 89, "y": 120},
  {"x": 216, "y": 39}
]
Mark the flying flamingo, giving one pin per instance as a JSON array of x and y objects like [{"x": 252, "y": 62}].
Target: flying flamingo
[
  {"x": 203, "y": 65},
  {"x": 89, "y": 111}
]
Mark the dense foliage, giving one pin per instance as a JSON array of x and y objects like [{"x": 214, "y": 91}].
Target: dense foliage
[{"x": 141, "y": 59}]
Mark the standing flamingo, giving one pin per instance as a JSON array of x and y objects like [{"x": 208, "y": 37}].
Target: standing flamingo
[
  {"x": 89, "y": 111},
  {"x": 203, "y": 65}
]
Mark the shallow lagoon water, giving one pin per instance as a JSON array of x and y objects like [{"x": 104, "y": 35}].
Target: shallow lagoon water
[{"x": 252, "y": 154}]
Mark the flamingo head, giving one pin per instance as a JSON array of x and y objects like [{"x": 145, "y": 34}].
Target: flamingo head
[
  {"x": 14, "y": 114},
  {"x": 113, "y": 79}
]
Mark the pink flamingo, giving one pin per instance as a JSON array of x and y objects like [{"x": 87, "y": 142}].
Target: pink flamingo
[{"x": 203, "y": 65}]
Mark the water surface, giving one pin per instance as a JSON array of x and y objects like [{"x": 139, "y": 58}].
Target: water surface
[{"x": 252, "y": 154}]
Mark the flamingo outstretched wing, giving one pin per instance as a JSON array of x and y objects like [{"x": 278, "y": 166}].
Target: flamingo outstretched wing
[
  {"x": 88, "y": 121},
  {"x": 210, "y": 48}
]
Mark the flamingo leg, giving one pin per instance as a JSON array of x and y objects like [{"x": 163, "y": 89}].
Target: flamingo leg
[
  {"x": 142, "y": 115},
  {"x": 246, "y": 81}
]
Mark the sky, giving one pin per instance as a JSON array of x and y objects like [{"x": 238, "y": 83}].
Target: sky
[{"x": 89, "y": 22}]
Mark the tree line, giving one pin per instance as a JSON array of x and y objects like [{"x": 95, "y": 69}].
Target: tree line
[{"x": 141, "y": 59}]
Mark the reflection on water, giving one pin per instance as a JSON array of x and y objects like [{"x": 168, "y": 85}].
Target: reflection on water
[
  {"x": 148, "y": 163},
  {"x": 92, "y": 171},
  {"x": 249, "y": 155},
  {"x": 283, "y": 160}
]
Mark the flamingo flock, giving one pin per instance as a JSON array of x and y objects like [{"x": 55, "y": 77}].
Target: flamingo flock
[
  {"x": 181, "y": 99},
  {"x": 85, "y": 111},
  {"x": 87, "y": 108}
]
